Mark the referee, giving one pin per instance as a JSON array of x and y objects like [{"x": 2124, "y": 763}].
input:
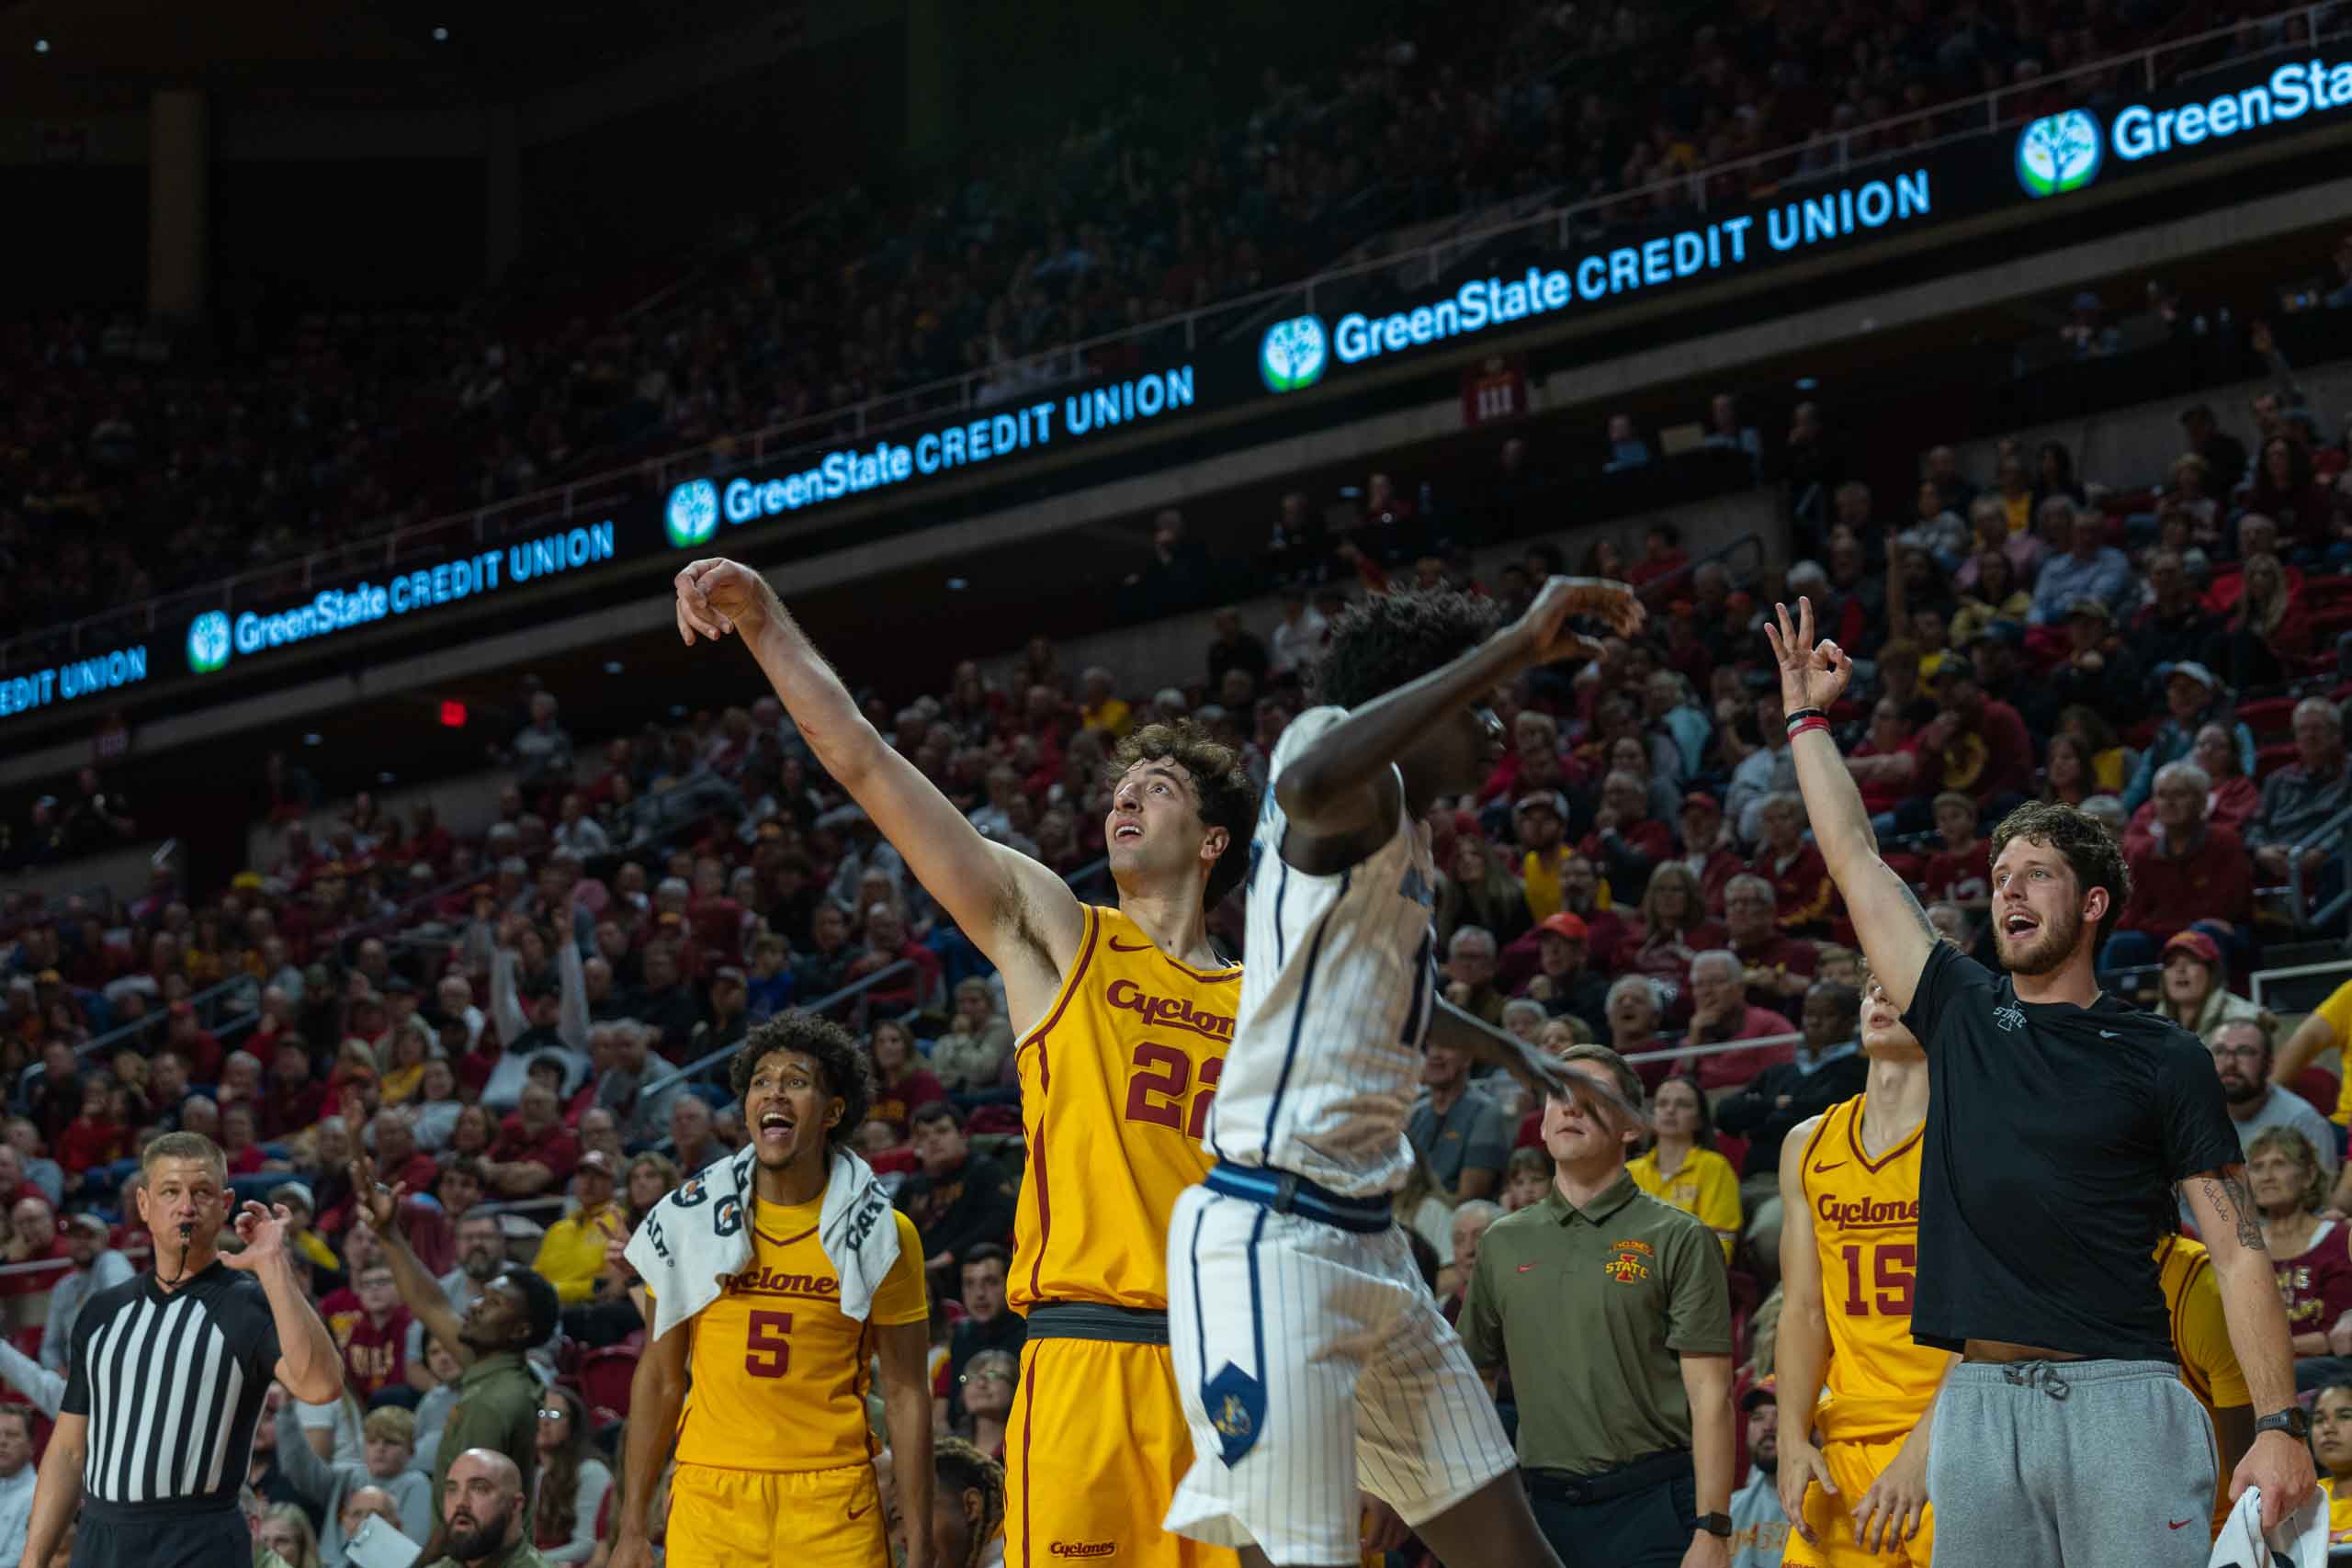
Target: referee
[{"x": 166, "y": 1375}]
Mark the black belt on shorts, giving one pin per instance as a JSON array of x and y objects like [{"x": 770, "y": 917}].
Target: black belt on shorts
[
  {"x": 1604, "y": 1485},
  {"x": 1097, "y": 1320},
  {"x": 1287, "y": 1194}
]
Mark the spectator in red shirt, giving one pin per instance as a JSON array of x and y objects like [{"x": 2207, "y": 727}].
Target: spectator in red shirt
[
  {"x": 244, "y": 1155},
  {"x": 35, "y": 1241},
  {"x": 1662, "y": 556},
  {"x": 1673, "y": 930},
  {"x": 195, "y": 1043},
  {"x": 1886, "y": 766},
  {"x": 1804, "y": 901},
  {"x": 294, "y": 1100},
  {"x": 2185, "y": 872},
  {"x": 1983, "y": 743},
  {"x": 535, "y": 1152},
  {"x": 1720, "y": 1014},
  {"x": 1707, "y": 848},
  {"x": 1961, "y": 872},
  {"x": 372, "y": 1330},
  {"x": 93, "y": 1139},
  {"x": 392, "y": 1134},
  {"x": 902, "y": 1084},
  {"x": 1778, "y": 966},
  {"x": 1626, "y": 842},
  {"x": 886, "y": 943}
]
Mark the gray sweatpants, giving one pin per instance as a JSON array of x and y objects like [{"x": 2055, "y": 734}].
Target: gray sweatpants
[{"x": 2071, "y": 1464}]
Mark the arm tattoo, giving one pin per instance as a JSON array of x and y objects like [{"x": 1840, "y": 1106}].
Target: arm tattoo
[{"x": 2228, "y": 1194}]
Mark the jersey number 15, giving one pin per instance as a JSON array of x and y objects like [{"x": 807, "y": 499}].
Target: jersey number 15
[
  {"x": 1162, "y": 1078},
  {"x": 1894, "y": 1267}
]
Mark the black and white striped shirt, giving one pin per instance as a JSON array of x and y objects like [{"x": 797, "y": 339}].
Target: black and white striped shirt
[{"x": 172, "y": 1383}]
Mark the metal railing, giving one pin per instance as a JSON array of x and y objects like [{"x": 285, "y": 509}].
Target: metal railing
[{"x": 1558, "y": 227}]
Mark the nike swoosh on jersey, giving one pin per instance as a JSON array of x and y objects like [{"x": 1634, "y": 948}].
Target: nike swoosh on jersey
[
  {"x": 1525, "y": 1267},
  {"x": 860, "y": 1513},
  {"x": 1118, "y": 946},
  {"x": 2178, "y": 1524},
  {"x": 1831, "y": 1166}
]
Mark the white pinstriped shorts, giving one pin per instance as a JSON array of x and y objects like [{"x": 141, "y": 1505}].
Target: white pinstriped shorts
[{"x": 1313, "y": 1362}]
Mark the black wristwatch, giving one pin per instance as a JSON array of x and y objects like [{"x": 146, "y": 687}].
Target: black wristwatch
[
  {"x": 1716, "y": 1525},
  {"x": 2295, "y": 1421}
]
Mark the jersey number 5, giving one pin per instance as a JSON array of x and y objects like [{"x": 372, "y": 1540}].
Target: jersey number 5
[
  {"x": 1893, "y": 1269},
  {"x": 766, "y": 1352},
  {"x": 1163, "y": 1074}
]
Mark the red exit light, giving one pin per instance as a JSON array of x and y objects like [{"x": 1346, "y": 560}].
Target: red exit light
[{"x": 453, "y": 715}]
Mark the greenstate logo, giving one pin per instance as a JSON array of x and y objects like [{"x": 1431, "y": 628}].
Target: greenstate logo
[
  {"x": 1293, "y": 353},
  {"x": 208, "y": 641},
  {"x": 693, "y": 514},
  {"x": 2059, "y": 152}
]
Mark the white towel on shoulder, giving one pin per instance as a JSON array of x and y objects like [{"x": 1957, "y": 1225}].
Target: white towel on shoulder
[
  {"x": 2298, "y": 1540},
  {"x": 698, "y": 1237}
]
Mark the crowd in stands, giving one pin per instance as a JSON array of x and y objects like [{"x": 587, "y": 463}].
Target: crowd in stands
[
  {"x": 130, "y": 469},
  {"x": 528, "y": 1027}
]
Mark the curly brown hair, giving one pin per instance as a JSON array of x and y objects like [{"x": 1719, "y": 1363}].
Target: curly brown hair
[
  {"x": 2095, "y": 858},
  {"x": 1226, "y": 798}
]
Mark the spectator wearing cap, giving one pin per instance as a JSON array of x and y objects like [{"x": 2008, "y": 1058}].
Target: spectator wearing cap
[
  {"x": 97, "y": 1266},
  {"x": 1626, "y": 842},
  {"x": 1759, "y": 1529},
  {"x": 1562, "y": 982},
  {"x": 1706, "y": 849},
  {"x": 2098, "y": 670},
  {"x": 2185, "y": 872},
  {"x": 1612, "y": 1313},
  {"x": 2301, "y": 798},
  {"x": 2173, "y": 624},
  {"x": 2193, "y": 698},
  {"x": 1981, "y": 740},
  {"x": 1804, "y": 901},
  {"x": 571, "y": 1252},
  {"x": 2194, "y": 991},
  {"x": 1778, "y": 966},
  {"x": 2090, "y": 569},
  {"x": 1539, "y": 821},
  {"x": 302, "y": 1232}
]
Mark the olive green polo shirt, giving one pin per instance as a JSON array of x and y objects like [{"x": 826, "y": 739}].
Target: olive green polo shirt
[
  {"x": 1593, "y": 1309},
  {"x": 498, "y": 1409}
]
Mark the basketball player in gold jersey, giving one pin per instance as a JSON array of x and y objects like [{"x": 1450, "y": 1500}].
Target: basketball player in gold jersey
[
  {"x": 2209, "y": 1363},
  {"x": 1850, "y": 1246},
  {"x": 760, "y": 1394},
  {"x": 1126, "y": 1014}
]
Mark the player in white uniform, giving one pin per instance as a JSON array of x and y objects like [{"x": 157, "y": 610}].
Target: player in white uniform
[{"x": 1311, "y": 1357}]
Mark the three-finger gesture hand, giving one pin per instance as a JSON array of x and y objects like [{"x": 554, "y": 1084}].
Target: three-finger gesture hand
[
  {"x": 263, "y": 1231},
  {"x": 1812, "y": 675}
]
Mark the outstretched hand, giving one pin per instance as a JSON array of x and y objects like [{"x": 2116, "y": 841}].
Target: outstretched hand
[
  {"x": 379, "y": 1204},
  {"x": 716, "y": 596},
  {"x": 1545, "y": 627},
  {"x": 1812, "y": 675}
]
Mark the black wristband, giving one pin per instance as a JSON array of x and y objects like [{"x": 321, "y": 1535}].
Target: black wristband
[{"x": 1795, "y": 714}]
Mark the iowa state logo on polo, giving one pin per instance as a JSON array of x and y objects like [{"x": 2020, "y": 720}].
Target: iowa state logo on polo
[{"x": 1629, "y": 1265}]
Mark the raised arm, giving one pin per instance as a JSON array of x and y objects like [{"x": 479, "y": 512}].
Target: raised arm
[
  {"x": 1896, "y": 934},
  {"x": 572, "y": 1013},
  {"x": 1340, "y": 789},
  {"x": 1014, "y": 908},
  {"x": 420, "y": 1292}
]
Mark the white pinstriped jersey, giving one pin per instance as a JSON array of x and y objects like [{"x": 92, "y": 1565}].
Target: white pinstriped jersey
[{"x": 1336, "y": 995}]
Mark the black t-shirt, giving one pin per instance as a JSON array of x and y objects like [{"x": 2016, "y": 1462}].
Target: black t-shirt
[
  {"x": 2054, "y": 1135},
  {"x": 172, "y": 1381}
]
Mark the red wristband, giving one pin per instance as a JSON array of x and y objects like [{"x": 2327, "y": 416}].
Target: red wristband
[{"x": 1801, "y": 726}]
